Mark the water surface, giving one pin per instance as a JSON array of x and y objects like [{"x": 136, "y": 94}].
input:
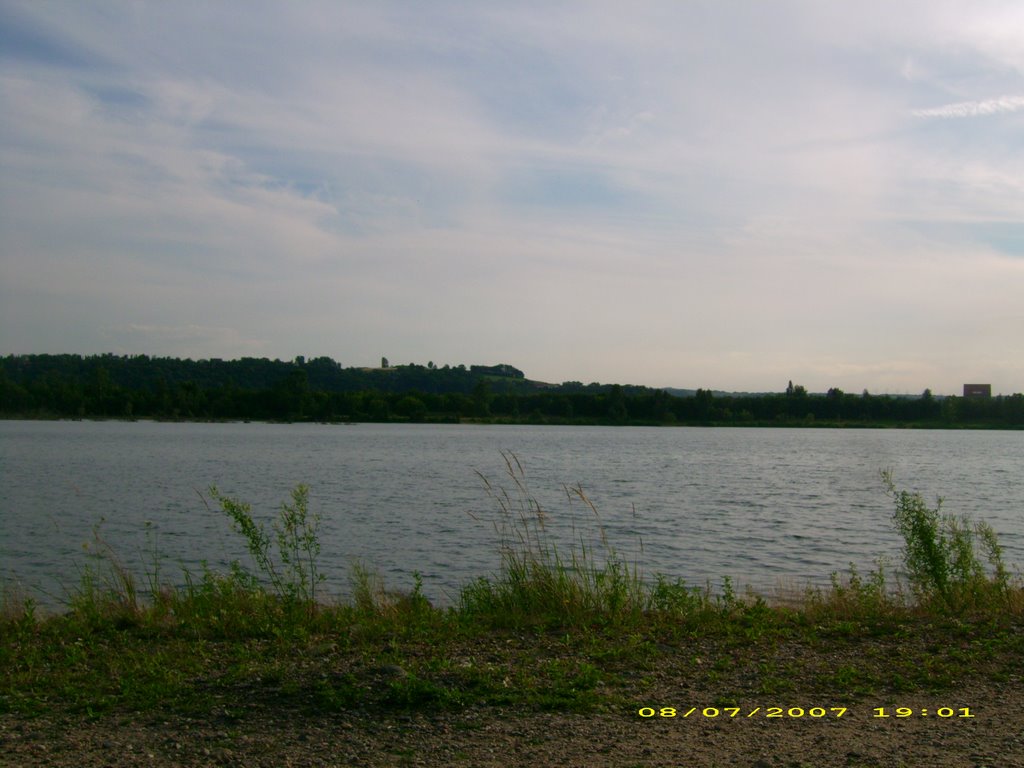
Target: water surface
[{"x": 763, "y": 506}]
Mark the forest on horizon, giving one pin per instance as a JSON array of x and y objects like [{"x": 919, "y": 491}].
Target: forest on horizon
[{"x": 321, "y": 389}]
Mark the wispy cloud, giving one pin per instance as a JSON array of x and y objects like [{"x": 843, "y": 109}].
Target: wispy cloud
[
  {"x": 358, "y": 179},
  {"x": 974, "y": 108}
]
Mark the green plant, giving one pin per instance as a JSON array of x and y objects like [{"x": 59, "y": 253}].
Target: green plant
[
  {"x": 676, "y": 598},
  {"x": 940, "y": 554},
  {"x": 371, "y": 601},
  {"x": 293, "y": 572},
  {"x": 537, "y": 582},
  {"x": 855, "y": 596},
  {"x": 218, "y": 605},
  {"x": 106, "y": 591},
  {"x": 17, "y": 609}
]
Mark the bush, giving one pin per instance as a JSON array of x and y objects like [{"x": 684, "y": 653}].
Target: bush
[
  {"x": 293, "y": 572},
  {"x": 940, "y": 554}
]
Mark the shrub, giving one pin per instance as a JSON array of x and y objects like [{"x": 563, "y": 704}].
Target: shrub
[
  {"x": 293, "y": 572},
  {"x": 940, "y": 554}
]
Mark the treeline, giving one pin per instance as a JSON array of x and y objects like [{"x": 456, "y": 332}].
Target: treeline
[{"x": 127, "y": 387}]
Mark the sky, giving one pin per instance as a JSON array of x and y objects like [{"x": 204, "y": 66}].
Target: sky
[{"x": 721, "y": 194}]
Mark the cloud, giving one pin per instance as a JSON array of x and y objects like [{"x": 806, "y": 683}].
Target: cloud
[
  {"x": 632, "y": 198},
  {"x": 974, "y": 108}
]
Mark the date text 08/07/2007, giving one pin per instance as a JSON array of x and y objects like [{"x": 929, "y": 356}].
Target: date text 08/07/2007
[{"x": 792, "y": 712}]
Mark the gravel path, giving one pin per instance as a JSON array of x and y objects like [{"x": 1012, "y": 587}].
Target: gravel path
[{"x": 994, "y": 737}]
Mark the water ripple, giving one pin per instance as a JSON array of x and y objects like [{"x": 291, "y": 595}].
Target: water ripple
[{"x": 756, "y": 505}]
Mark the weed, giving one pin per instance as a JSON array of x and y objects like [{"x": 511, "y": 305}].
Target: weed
[
  {"x": 410, "y": 691},
  {"x": 293, "y": 573},
  {"x": 224, "y": 606},
  {"x": 676, "y": 597},
  {"x": 338, "y": 694},
  {"x": 106, "y": 592},
  {"x": 856, "y": 597},
  {"x": 372, "y": 601},
  {"x": 940, "y": 555},
  {"x": 537, "y": 582},
  {"x": 17, "y": 609},
  {"x": 368, "y": 593}
]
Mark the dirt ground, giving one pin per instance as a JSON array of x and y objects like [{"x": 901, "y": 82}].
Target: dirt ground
[{"x": 993, "y": 737}]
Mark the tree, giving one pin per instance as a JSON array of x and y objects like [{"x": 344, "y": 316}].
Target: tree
[
  {"x": 703, "y": 399},
  {"x": 482, "y": 398},
  {"x": 412, "y": 408},
  {"x": 617, "y": 404}
]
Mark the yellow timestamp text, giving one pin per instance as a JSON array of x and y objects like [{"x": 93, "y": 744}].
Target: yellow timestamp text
[
  {"x": 836, "y": 712},
  {"x": 793, "y": 712},
  {"x": 945, "y": 712}
]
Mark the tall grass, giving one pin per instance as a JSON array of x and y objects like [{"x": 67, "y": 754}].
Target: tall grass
[
  {"x": 540, "y": 583},
  {"x": 107, "y": 591}
]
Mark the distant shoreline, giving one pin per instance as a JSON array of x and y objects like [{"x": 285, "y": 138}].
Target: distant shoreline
[
  {"x": 321, "y": 390},
  {"x": 793, "y": 424}
]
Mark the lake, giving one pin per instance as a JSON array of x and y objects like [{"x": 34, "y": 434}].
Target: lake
[{"x": 765, "y": 507}]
